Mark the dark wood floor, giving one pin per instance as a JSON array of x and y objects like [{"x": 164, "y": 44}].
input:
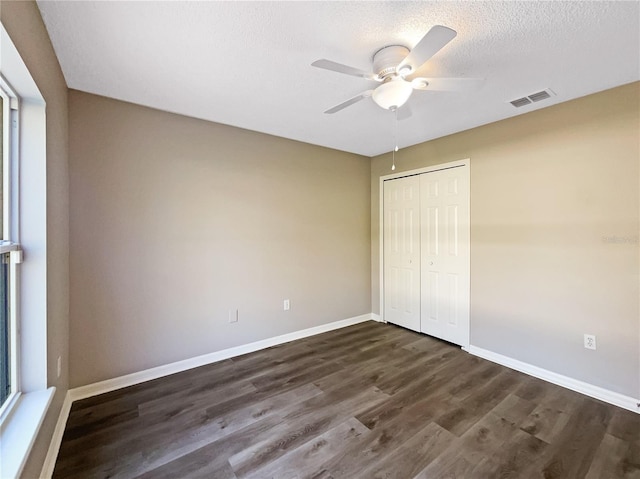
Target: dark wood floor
[{"x": 368, "y": 401}]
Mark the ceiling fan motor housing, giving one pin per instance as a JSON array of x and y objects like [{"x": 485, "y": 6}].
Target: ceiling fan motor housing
[{"x": 387, "y": 59}]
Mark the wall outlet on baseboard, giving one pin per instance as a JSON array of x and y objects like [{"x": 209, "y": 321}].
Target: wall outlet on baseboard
[
  {"x": 233, "y": 315},
  {"x": 590, "y": 341},
  {"x": 287, "y": 305}
]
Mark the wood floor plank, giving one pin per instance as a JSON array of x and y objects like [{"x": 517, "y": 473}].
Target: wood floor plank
[
  {"x": 520, "y": 456},
  {"x": 217, "y": 451},
  {"x": 416, "y": 393},
  {"x": 199, "y": 464},
  {"x": 427, "y": 344},
  {"x": 302, "y": 428},
  {"x": 358, "y": 376},
  {"x": 388, "y": 434},
  {"x": 304, "y": 461},
  {"x": 297, "y": 373},
  {"x": 368, "y": 401},
  {"x": 489, "y": 437},
  {"x": 615, "y": 457},
  {"x": 412, "y": 456},
  {"x": 514, "y": 409},
  {"x": 191, "y": 399},
  {"x": 461, "y": 417},
  {"x": 423, "y": 365},
  {"x": 82, "y": 425},
  {"x": 546, "y": 423},
  {"x": 624, "y": 425},
  {"x": 448, "y": 466},
  {"x": 362, "y": 351},
  {"x": 576, "y": 445}
]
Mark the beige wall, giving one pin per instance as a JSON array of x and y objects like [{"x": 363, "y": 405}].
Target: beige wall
[
  {"x": 547, "y": 190},
  {"x": 25, "y": 27},
  {"x": 174, "y": 221}
]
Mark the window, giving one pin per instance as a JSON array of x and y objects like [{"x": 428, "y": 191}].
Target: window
[
  {"x": 5, "y": 351},
  {"x": 5, "y": 379},
  {"x": 23, "y": 371},
  {"x": 9, "y": 248}
]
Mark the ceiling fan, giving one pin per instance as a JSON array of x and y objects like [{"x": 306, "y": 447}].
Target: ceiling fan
[{"x": 393, "y": 67}]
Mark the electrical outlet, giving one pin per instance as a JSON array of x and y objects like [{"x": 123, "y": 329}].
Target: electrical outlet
[
  {"x": 590, "y": 341},
  {"x": 59, "y": 365},
  {"x": 287, "y": 305},
  {"x": 233, "y": 315}
]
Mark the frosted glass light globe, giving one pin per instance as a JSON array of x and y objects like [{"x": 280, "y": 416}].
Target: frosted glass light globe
[{"x": 393, "y": 93}]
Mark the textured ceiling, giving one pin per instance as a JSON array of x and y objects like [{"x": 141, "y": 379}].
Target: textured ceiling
[{"x": 247, "y": 64}]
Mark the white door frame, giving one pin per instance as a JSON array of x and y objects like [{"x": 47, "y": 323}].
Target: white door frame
[{"x": 393, "y": 176}]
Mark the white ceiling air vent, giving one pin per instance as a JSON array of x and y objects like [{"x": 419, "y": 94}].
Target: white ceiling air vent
[
  {"x": 532, "y": 98},
  {"x": 541, "y": 95},
  {"x": 520, "y": 102}
]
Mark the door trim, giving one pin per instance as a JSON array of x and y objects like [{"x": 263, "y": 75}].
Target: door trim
[{"x": 402, "y": 174}]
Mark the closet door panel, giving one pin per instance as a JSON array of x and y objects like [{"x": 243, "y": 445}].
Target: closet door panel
[
  {"x": 402, "y": 252},
  {"x": 444, "y": 261}
]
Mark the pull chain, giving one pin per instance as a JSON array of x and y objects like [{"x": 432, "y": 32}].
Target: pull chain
[{"x": 395, "y": 138}]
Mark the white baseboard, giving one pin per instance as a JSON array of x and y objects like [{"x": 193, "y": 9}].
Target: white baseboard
[
  {"x": 377, "y": 317},
  {"x": 56, "y": 439},
  {"x": 611, "y": 397},
  {"x": 179, "y": 366}
]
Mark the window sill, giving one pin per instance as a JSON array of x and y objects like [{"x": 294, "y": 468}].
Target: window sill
[{"x": 19, "y": 430}]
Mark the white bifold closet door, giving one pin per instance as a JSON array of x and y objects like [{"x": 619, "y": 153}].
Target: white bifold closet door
[
  {"x": 444, "y": 272},
  {"x": 402, "y": 252},
  {"x": 426, "y": 220}
]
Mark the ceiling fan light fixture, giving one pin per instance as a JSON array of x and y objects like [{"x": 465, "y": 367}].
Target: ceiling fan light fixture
[
  {"x": 393, "y": 93},
  {"x": 404, "y": 70}
]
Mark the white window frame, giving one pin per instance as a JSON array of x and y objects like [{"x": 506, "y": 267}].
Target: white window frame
[
  {"x": 22, "y": 420},
  {"x": 10, "y": 230}
]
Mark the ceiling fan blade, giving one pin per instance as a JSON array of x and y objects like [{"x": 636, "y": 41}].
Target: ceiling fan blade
[
  {"x": 431, "y": 43},
  {"x": 350, "y": 102},
  {"x": 404, "y": 112},
  {"x": 446, "y": 84},
  {"x": 347, "y": 70}
]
